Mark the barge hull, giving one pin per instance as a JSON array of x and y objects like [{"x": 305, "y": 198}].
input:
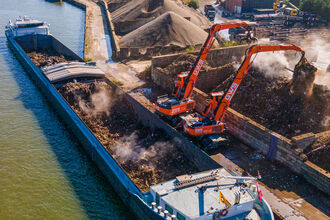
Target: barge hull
[{"x": 126, "y": 189}]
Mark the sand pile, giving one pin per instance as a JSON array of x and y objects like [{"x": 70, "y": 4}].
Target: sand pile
[
  {"x": 148, "y": 157},
  {"x": 143, "y": 11},
  {"x": 167, "y": 29},
  {"x": 46, "y": 57},
  {"x": 269, "y": 102}
]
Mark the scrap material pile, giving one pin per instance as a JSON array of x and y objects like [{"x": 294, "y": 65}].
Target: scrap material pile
[
  {"x": 288, "y": 107},
  {"x": 47, "y": 57},
  {"x": 148, "y": 157},
  {"x": 185, "y": 62}
]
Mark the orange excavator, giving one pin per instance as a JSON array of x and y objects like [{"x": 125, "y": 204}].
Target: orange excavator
[
  {"x": 181, "y": 101},
  {"x": 211, "y": 120}
]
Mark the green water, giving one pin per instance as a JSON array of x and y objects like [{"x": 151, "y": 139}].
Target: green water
[{"x": 44, "y": 173}]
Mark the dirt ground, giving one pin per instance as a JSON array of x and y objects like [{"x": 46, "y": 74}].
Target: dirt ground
[
  {"x": 147, "y": 157},
  {"x": 46, "y": 57}
]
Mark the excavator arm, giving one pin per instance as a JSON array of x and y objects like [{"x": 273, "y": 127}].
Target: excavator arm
[
  {"x": 224, "y": 102},
  {"x": 180, "y": 100},
  {"x": 213, "y": 123},
  {"x": 190, "y": 81}
]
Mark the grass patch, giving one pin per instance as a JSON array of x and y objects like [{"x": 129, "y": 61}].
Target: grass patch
[
  {"x": 191, "y": 48},
  {"x": 118, "y": 82}
]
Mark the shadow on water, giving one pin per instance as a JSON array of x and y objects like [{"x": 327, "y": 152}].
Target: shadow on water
[{"x": 94, "y": 192}]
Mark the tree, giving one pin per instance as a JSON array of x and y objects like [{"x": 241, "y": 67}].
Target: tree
[
  {"x": 319, "y": 7},
  {"x": 194, "y": 4}
]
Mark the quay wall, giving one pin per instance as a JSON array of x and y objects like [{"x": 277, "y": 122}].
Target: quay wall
[{"x": 206, "y": 79}]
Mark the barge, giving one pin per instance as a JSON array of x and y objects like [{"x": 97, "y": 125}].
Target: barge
[{"x": 213, "y": 194}]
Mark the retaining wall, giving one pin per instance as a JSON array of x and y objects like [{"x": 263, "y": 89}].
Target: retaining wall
[
  {"x": 149, "y": 118},
  {"x": 148, "y": 52},
  {"x": 273, "y": 145},
  {"x": 207, "y": 80}
]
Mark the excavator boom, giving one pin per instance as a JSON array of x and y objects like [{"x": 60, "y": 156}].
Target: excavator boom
[
  {"x": 230, "y": 92},
  {"x": 193, "y": 74},
  {"x": 196, "y": 125},
  {"x": 180, "y": 101}
]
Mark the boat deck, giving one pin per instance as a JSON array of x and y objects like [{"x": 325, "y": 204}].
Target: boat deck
[{"x": 196, "y": 200}]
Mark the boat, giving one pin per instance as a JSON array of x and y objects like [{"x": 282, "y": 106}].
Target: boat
[{"x": 213, "y": 194}]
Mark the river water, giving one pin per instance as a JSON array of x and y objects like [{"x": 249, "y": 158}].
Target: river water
[{"x": 44, "y": 173}]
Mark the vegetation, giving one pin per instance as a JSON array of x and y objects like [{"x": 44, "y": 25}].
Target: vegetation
[
  {"x": 319, "y": 7},
  {"x": 87, "y": 59},
  {"x": 118, "y": 83},
  {"x": 231, "y": 43},
  {"x": 145, "y": 74},
  {"x": 192, "y": 3},
  {"x": 191, "y": 48}
]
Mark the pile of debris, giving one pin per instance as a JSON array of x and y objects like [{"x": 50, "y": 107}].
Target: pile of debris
[
  {"x": 148, "y": 157},
  {"x": 209, "y": 76},
  {"x": 283, "y": 105},
  {"x": 319, "y": 151},
  {"x": 47, "y": 57}
]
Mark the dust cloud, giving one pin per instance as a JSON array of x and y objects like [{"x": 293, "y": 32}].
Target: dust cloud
[
  {"x": 99, "y": 103},
  {"x": 130, "y": 148},
  {"x": 317, "y": 48}
]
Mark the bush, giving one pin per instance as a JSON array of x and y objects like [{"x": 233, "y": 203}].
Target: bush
[
  {"x": 192, "y": 3},
  {"x": 191, "y": 48},
  {"x": 319, "y": 7}
]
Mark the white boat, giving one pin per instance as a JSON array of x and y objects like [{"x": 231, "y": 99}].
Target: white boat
[
  {"x": 215, "y": 194},
  {"x": 26, "y": 26}
]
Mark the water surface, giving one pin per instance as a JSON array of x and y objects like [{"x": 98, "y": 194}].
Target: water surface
[{"x": 44, "y": 172}]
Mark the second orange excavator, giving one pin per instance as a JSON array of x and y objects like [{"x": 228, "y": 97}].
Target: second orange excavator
[
  {"x": 180, "y": 101},
  {"x": 210, "y": 122}
]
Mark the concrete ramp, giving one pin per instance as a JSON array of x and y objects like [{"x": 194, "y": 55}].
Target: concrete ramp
[{"x": 65, "y": 71}]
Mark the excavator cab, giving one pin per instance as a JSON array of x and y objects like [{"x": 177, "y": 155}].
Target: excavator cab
[
  {"x": 179, "y": 83},
  {"x": 212, "y": 104}
]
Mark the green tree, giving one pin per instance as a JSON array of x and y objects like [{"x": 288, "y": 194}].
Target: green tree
[
  {"x": 319, "y": 7},
  {"x": 194, "y": 4}
]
